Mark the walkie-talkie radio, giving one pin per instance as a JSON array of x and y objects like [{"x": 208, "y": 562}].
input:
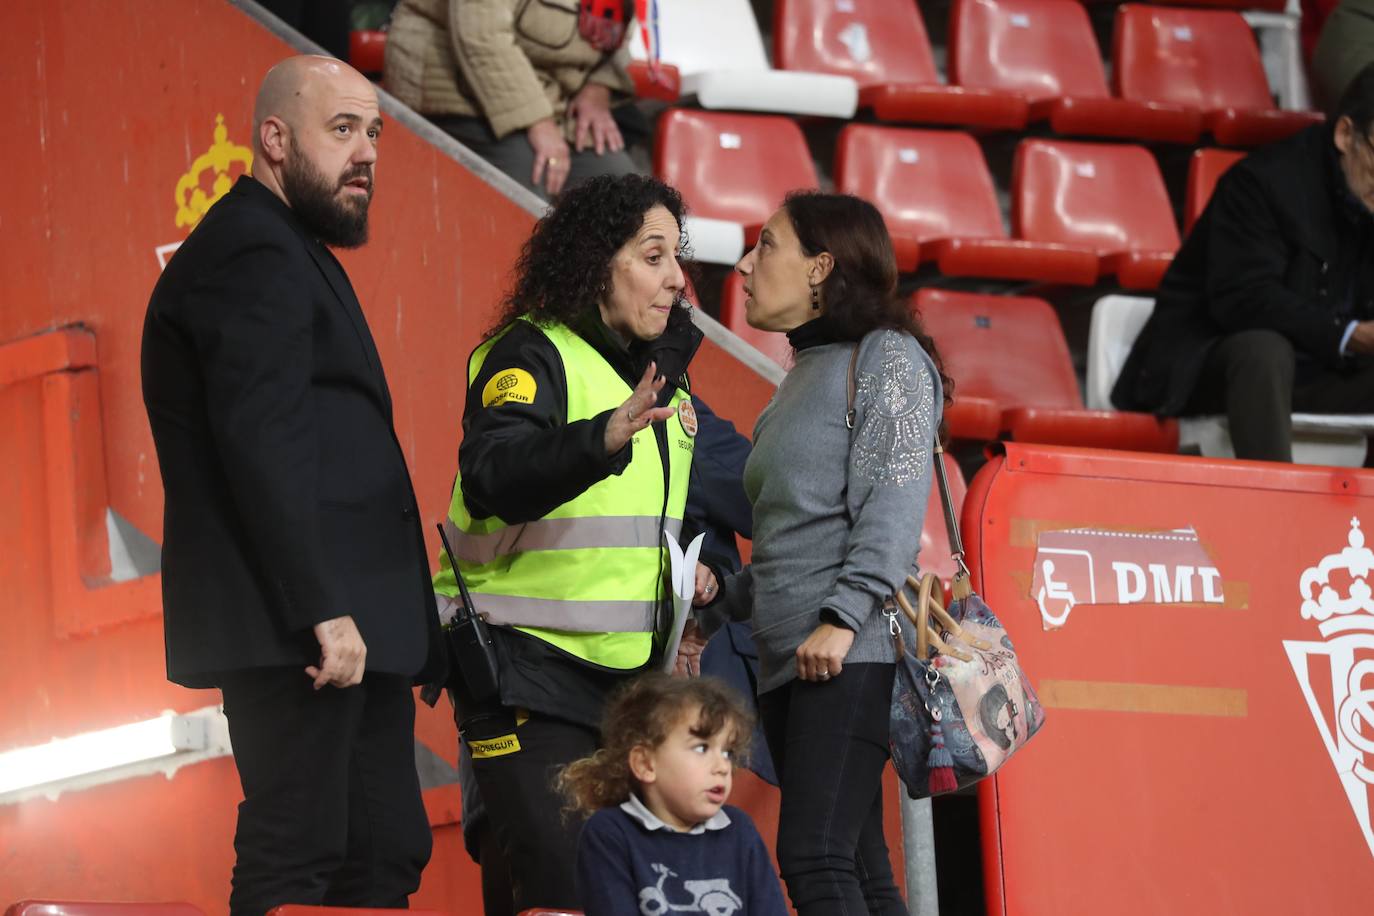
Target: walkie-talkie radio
[{"x": 469, "y": 641}]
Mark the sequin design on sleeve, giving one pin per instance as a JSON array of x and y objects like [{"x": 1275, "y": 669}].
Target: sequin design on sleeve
[{"x": 892, "y": 445}]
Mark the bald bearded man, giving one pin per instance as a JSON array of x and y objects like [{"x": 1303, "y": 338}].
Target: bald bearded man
[{"x": 294, "y": 575}]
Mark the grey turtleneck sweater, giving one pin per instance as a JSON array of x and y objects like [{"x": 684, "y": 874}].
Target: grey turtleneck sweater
[{"x": 837, "y": 513}]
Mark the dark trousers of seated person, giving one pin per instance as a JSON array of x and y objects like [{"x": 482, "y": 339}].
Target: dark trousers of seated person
[
  {"x": 331, "y": 813},
  {"x": 1252, "y": 378},
  {"x": 513, "y": 154},
  {"x": 829, "y": 743},
  {"x": 528, "y": 845}
]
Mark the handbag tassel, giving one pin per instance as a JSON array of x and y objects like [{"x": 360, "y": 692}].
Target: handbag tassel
[{"x": 940, "y": 763}]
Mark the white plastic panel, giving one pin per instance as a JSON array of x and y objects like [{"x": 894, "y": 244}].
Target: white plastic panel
[
  {"x": 700, "y": 35},
  {"x": 1115, "y": 324},
  {"x": 782, "y": 91},
  {"x": 717, "y": 47},
  {"x": 715, "y": 241}
]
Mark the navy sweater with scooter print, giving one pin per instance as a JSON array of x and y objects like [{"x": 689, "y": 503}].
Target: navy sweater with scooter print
[{"x": 629, "y": 863}]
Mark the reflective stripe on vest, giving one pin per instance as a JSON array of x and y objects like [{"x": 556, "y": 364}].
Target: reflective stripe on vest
[
  {"x": 560, "y": 534},
  {"x": 589, "y": 576}
]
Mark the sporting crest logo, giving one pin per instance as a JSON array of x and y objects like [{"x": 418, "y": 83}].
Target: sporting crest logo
[
  {"x": 210, "y": 177},
  {"x": 1337, "y": 674}
]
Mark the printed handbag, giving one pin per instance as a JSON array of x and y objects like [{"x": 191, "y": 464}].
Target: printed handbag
[{"x": 961, "y": 705}]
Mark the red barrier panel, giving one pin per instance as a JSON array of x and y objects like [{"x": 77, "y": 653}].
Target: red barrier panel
[{"x": 1198, "y": 758}]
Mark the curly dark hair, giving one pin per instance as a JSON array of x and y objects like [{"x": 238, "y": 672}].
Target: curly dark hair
[
  {"x": 641, "y": 714},
  {"x": 860, "y": 294},
  {"x": 564, "y": 268}
]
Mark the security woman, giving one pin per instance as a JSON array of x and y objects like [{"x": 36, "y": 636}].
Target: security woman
[{"x": 577, "y": 446}]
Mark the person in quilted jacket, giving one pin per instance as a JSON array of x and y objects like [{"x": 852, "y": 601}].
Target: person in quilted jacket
[{"x": 527, "y": 84}]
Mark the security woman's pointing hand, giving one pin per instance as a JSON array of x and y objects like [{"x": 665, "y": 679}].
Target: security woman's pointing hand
[{"x": 638, "y": 411}]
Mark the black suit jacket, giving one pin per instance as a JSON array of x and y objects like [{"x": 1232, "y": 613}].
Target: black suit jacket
[
  {"x": 1277, "y": 247},
  {"x": 288, "y": 501}
]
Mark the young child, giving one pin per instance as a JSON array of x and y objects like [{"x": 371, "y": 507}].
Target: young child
[{"x": 662, "y": 838}]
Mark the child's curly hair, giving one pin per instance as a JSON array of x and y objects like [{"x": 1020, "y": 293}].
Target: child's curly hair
[{"x": 641, "y": 714}]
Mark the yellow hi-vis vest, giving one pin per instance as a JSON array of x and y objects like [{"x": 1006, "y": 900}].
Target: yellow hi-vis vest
[{"x": 589, "y": 576}]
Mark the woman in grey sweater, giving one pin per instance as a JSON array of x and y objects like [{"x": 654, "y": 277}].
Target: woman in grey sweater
[{"x": 838, "y": 507}]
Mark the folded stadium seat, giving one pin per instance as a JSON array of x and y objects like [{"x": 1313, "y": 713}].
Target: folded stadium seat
[
  {"x": 366, "y": 49},
  {"x": 885, "y": 48},
  {"x": 1011, "y": 350},
  {"x": 1204, "y": 168},
  {"x": 1325, "y": 439},
  {"x": 937, "y": 198},
  {"x": 1273, "y": 6},
  {"x": 663, "y": 82},
  {"x": 718, "y": 52},
  {"x": 1045, "y": 50},
  {"x": 1099, "y": 197},
  {"x": 1204, "y": 59},
  {"x": 734, "y": 169},
  {"x": 772, "y": 344},
  {"x": 300, "y": 909},
  {"x": 101, "y": 908}
]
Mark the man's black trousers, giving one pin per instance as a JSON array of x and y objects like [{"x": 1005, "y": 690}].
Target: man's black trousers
[
  {"x": 1251, "y": 376},
  {"x": 332, "y": 813}
]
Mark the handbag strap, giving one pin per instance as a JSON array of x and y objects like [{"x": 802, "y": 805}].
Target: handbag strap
[{"x": 960, "y": 585}]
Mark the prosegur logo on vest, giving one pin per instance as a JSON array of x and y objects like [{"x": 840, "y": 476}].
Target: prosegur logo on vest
[{"x": 512, "y": 386}]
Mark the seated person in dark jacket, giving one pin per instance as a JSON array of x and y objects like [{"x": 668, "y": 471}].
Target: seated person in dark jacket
[{"x": 1269, "y": 306}]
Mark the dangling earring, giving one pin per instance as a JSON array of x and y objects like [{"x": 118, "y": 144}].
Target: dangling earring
[{"x": 815, "y": 298}]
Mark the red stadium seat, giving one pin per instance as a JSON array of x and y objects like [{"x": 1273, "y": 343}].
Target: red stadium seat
[
  {"x": 366, "y": 49},
  {"x": 1276, "y": 6},
  {"x": 666, "y": 88},
  {"x": 973, "y": 418},
  {"x": 733, "y": 167},
  {"x": 772, "y": 344},
  {"x": 938, "y": 201},
  {"x": 300, "y": 909},
  {"x": 884, "y": 47},
  {"x": 1105, "y": 198},
  {"x": 1012, "y": 351},
  {"x": 99, "y": 908},
  {"x": 1207, "y": 60},
  {"x": 1046, "y": 51},
  {"x": 1204, "y": 168}
]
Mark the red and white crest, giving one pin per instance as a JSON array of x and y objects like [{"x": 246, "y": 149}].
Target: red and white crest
[
  {"x": 687, "y": 415},
  {"x": 1337, "y": 673}
]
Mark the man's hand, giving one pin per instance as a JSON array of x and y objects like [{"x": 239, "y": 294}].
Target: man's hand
[
  {"x": 689, "y": 651},
  {"x": 1361, "y": 339},
  {"x": 590, "y": 111},
  {"x": 342, "y": 654},
  {"x": 822, "y": 655},
  {"x": 638, "y": 411},
  {"x": 552, "y": 158}
]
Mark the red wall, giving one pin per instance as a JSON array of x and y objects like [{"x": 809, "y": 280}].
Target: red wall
[{"x": 110, "y": 101}]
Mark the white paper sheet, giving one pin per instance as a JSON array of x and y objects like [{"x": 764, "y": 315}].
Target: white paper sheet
[{"x": 682, "y": 578}]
